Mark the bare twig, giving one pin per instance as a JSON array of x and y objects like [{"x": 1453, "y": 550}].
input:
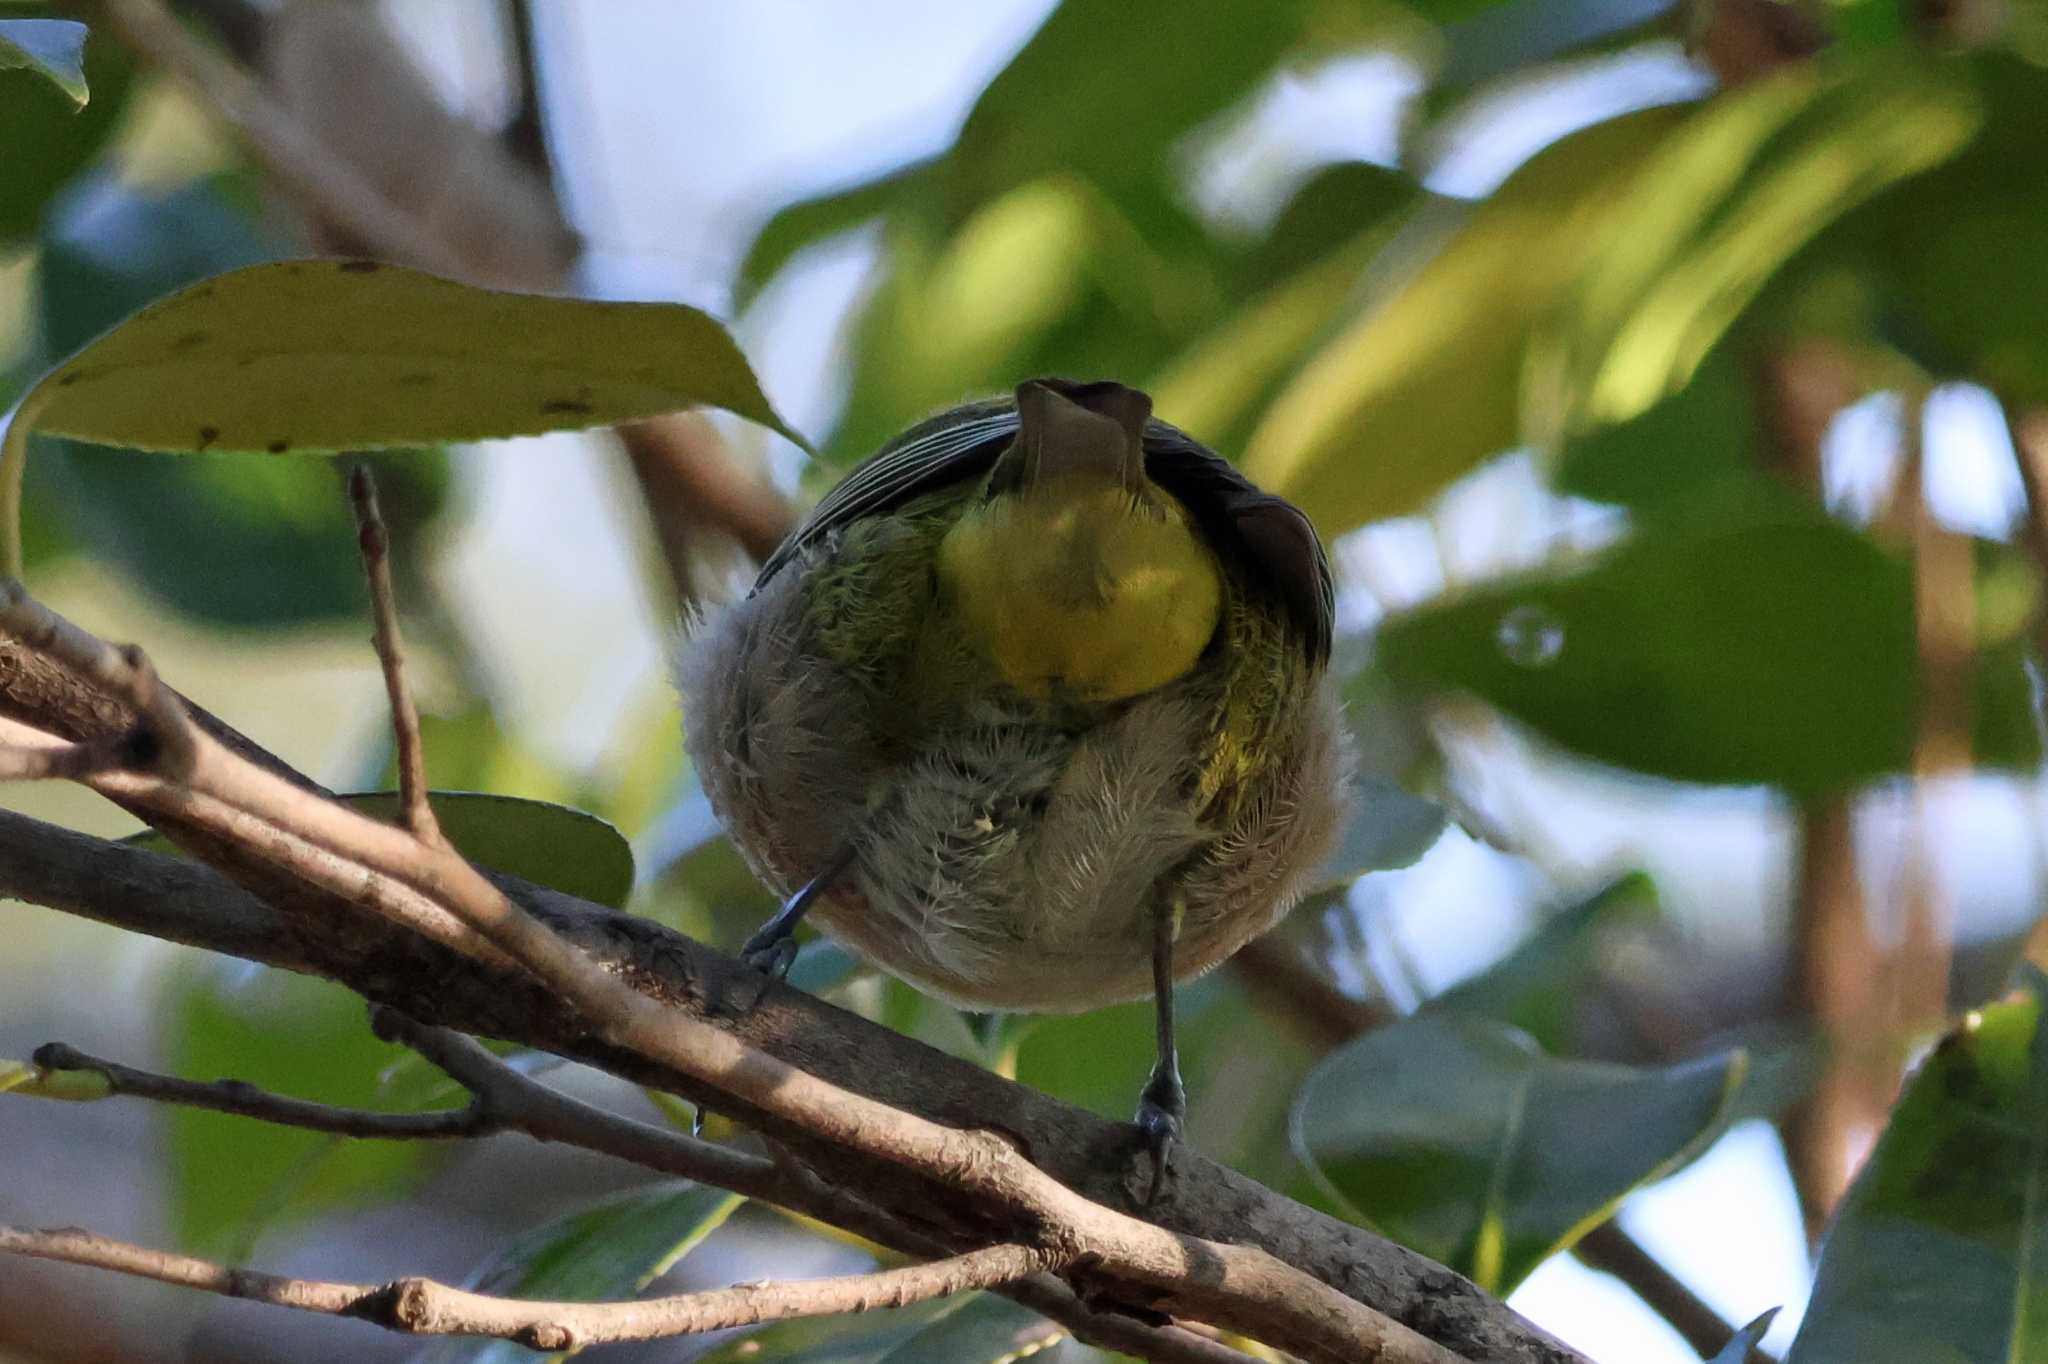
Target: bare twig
[
  {"x": 419, "y": 1306},
  {"x": 245, "y": 1100},
  {"x": 505, "y": 1100},
  {"x": 375, "y": 543}
]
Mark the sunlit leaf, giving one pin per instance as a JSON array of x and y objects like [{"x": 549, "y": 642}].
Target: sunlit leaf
[
  {"x": 1750, "y": 640},
  {"x": 972, "y": 1328},
  {"x": 1428, "y": 382},
  {"x": 1460, "y": 1138},
  {"x": 1940, "y": 1250},
  {"x": 279, "y": 546},
  {"x": 609, "y": 1251},
  {"x": 296, "y": 1035},
  {"x": 51, "y": 48},
  {"x": 550, "y": 845},
  {"x": 1726, "y": 202},
  {"x": 338, "y": 355}
]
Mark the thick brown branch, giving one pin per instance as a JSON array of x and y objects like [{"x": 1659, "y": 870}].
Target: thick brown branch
[
  {"x": 423, "y": 1307},
  {"x": 311, "y": 932}
]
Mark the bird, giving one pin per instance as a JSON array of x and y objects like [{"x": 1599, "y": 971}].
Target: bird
[{"x": 1034, "y": 711}]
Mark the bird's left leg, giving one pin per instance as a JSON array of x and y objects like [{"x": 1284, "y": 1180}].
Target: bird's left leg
[{"x": 1164, "y": 1103}]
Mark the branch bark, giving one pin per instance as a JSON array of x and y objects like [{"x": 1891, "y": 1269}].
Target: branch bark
[
  {"x": 423, "y": 1307},
  {"x": 681, "y": 1035}
]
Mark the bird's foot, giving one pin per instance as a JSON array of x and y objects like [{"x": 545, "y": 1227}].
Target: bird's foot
[
  {"x": 771, "y": 951},
  {"x": 1162, "y": 1109}
]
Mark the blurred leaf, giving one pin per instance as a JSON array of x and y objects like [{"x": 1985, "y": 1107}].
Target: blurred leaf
[
  {"x": 1052, "y": 277},
  {"x": 336, "y": 355},
  {"x": 971, "y": 1328},
  {"x": 1750, "y": 1337},
  {"x": 51, "y": 48},
  {"x": 1966, "y": 246},
  {"x": 1727, "y": 200},
  {"x": 609, "y": 1251},
  {"x": 1327, "y": 214},
  {"x": 1538, "y": 985},
  {"x": 1681, "y": 444},
  {"x": 1753, "y": 640},
  {"x": 1105, "y": 89},
  {"x": 1939, "y": 1252},
  {"x": 1460, "y": 1138},
  {"x": 809, "y": 222},
  {"x": 295, "y": 1035},
  {"x": 49, "y": 139},
  {"x": 1518, "y": 35},
  {"x": 1388, "y": 829},
  {"x": 235, "y": 542},
  {"x": 550, "y": 845},
  {"x": 1428, "y": 383}
]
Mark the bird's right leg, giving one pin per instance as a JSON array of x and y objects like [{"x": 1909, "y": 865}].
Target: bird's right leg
[{"x": 773, "y": 947}]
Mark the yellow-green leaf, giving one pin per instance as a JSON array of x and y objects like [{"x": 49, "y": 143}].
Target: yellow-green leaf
[{"x": 348, "y": 355}]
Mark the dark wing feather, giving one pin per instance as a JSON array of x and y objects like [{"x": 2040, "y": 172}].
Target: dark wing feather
[{"x": 1266, "y": 533}]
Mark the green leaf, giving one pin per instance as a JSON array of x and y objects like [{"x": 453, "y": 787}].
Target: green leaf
[
  {"x": 1679, "y": 446},
  {"x": 1724, "y": 204},
  {"x": 108, "y": 250},
  {"x": 1538, "y": 985},
  {"x": 1751, "y": 640},
  {"x": 1460, "y": 1138},
  {"x": 1388, "y": 829},
  {"x": 1427, "y": 383},
  {"x": 51, "y": 48},
  {"x": 295, "y": 1035},
  {"x": 1750, "y": 1337},
  {"x": 49, "y": 139},
  {"x": 606, "y": 1252},
  {"x": 330, "y": 355},
  {"x": 550, "y": 845},
  {"x": 1965, "y": 247},
  {"x": 811, "y": 221},
  {"x": 1940, "y": 1250},
  {"x": 972, "y": 1328}
]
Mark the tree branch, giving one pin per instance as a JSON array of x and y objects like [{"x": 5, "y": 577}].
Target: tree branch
[
  {"x": 678, "y": 978},
  {"x": 417, "y": 1306}
]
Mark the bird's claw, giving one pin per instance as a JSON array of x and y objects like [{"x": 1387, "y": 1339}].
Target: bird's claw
[
  {"x": 771, "y": 953},
  {"x": 1161, "y": 1110}
]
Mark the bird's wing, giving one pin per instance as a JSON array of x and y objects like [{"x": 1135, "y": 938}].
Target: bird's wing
[{"x": 1268, "y": 534}]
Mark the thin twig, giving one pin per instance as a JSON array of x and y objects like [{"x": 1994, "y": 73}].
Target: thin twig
[
  {"x": 419, "y": 1306},
  {"x": 246, "y": 1100},
  {"x": 374, "y": 541}
]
